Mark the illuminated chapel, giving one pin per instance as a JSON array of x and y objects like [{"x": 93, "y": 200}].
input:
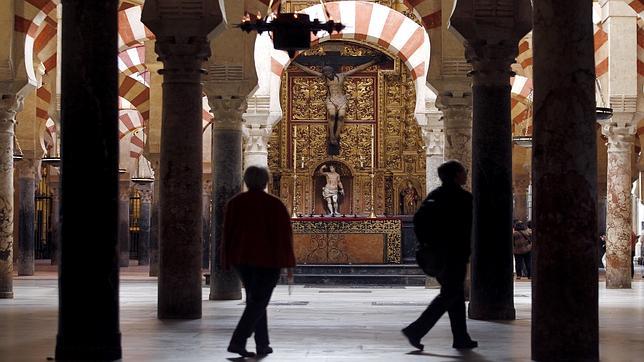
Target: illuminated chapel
[{"x": 126, "y": 126}]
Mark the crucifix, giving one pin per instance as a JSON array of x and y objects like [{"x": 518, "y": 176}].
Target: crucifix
[{"x": 336, "y": 99}]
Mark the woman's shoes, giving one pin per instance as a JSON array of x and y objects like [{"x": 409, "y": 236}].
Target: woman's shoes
[
  {"x": 264, "y": 350},
  {"x": 414, "y": 341},
  {"x": 241, "y": 351},
  {"x": 465, "y": 344}
]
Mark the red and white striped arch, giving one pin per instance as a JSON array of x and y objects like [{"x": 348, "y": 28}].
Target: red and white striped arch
[
  {"x": 371, "y": 23},
  {"x": 520, "y": 105},
  {"x": 137, "y": 93},
  {"x": 132, "y": 32},
  {"x": 132, "y": 60}
]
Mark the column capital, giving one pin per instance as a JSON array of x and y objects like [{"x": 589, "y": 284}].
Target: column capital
[
  {"x": 146, "y": 195},
  {"x": 434, "y": 139},
  {"x": 490, "y": 34},
  {"x": 621, "y": 137},
  {"x": 256, "y": 137},
  {"x": 457, "y": 111},
  {"x": 620, "y": 131},
  {"x": 29, "y": 168},
  {"x": 227, "y": 111},
  {"x": 10, "y": 104}
]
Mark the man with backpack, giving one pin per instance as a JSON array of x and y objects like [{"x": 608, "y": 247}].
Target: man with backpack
[{"x": 443, "y": 227}]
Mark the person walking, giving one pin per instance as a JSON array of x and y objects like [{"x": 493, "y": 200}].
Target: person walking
[
  {"x": 258, "y": 242},
  {"x": 447, "y": 234},
  {"x": 522, "y": 250}
]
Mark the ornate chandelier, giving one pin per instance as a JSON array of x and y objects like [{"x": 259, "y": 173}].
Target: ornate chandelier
[{"x": 290, "y": 31}]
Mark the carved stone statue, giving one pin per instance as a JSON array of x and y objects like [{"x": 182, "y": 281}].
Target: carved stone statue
[
  {"x": 409, "y": 199},
  {"x": 336, "y": 99},
  {"x": 332, "y": 189}
]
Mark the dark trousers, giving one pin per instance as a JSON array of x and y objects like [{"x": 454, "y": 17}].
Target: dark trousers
[
  {"x": 259, "y": 284},
  {"x": 451, "y": 300},
  {"x": 521, "y": 261}
]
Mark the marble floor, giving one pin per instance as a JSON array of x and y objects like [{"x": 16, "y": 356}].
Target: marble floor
[{"x": 311, "y": 324}]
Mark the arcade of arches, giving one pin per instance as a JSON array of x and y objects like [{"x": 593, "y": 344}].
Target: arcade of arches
[{"x": 138, "y": 134}]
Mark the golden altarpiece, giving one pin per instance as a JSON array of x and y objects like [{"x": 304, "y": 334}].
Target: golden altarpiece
[{"x": 381, "y": 102}]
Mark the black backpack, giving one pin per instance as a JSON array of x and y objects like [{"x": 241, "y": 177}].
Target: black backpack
[
  {"x": 425, "y": 222},
  {"x": 427, "y": 227}
]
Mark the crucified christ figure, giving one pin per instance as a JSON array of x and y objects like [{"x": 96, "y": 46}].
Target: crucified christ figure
[{"x": 336, "y": 99}]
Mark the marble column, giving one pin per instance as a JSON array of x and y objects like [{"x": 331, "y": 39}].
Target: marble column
[
  {"x": 491, "y": 48},
  {"x": 124, "y": 220},
  {"x": 10, "y": 104},
  {"x": 88, "y": 327},
  {"x": 154, "y": 217},
  {"x": 183, "y": 47},
  {"x": 145, "y": 190},
  {"x": 205, "y": 218},
  {"x": 28, "y": 170},
  {"x": 226, "y": 182},
  {"x": 620, "y": 132},
  {"x": 521, "y": 198},
  {"x": 564, "y": 179},
  {"x": 256, "y": 146},
  {"x": 180, "y": 179},
  {"x": 434, "y": 139},
  {"x": 457, "y": 123},
  {"x": 54, "y": 221}
]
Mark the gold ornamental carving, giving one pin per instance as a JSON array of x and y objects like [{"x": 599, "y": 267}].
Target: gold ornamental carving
[{"x": 382, "y": 97}]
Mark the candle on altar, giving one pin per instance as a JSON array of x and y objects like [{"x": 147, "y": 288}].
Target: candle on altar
[
  {"x": 294, "y": 148},
  {"x": 373, "y": 140}
]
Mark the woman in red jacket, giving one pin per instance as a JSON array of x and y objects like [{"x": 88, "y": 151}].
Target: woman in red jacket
[{"x": 258, "y": 242}]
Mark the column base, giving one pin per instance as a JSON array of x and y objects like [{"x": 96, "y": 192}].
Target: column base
[
  {"x": 229, "y": 295},
  {"x": 124, "y": 260},
  {"x": 431, "y": 283},
  {"x": 6, "y": 295},
  {"x": 503, "y": 314},
  {"x": 154, "y": 272},
  {"x": 107, "y": 349},
  {"x": 618, "y": 285},
  {"x": 188, "y": 316}
]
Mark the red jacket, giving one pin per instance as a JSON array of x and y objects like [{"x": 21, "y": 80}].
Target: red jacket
[{"x": 257, "y": 232}]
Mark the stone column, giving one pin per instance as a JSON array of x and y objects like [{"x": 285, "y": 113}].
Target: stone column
[
  {"x": 256, "y": 149},
  {"x": 154, "y": 217},
  {"x": 521, "y": 185},
  {"x": 491, "y": 45},
  {"x": 182, "y": 46},
  {"x": 226, "y": 182},
  {"x": 205, "y": 219},
  {"x": 145, "y": 190},
  {"x": 124, "y": 220},
  {"x": 89, "y": 329},
  {"x": 28, "y": 170},
  {"x": 564, "y": 179},
  {"x": 457, "y": 123},
  {"x": 10, "y": 104},
  {"x": 434, "y": 138},
  {"x": 54, "y": 191},
  {"x": 620, "y": 132}
]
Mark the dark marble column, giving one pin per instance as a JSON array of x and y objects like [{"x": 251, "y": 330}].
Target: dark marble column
[
  {"x": 88, "y": 318},
  {"x": 27, "y": 169},
  {"x": 54, "y": 221},
  {"x": 564, "y": 180},
  {"x": 226, "y": 182},
  {"x": 124, "y": 220},
  {"x": 205, "y": 218},
  {"x": 154, "y": 218},
  {"x": 491, "y": 47},
  {"x": 521, "y": 198},
  {"x": 10, "y": 104},
  {"x": 182, "y": 46},
  {"x": 145, "y": 190}
]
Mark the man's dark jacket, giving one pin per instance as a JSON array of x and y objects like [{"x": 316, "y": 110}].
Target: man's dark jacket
[{"x": 453, "y": 229}]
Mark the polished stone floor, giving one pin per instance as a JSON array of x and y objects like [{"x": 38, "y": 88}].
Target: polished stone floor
[{"x": 312, "y": 324}]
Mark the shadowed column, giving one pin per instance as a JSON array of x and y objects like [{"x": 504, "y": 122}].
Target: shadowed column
[
  {"x": 491, "y": 45},
  {"x": 27, "y": 169},
  {"x": 564, "y": 180},
  {"x": 88, "y": 328}
]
